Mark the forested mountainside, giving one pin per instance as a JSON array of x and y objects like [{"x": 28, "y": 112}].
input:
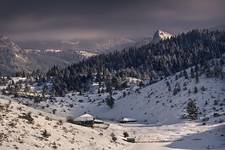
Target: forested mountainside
[{"x": 150, "y": 62}]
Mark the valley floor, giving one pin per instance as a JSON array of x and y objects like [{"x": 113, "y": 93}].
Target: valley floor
[{"x": 187, "y": 135}]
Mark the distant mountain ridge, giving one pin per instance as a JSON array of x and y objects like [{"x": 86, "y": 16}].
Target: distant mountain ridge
[
  {"x": 12, "y": 57},
  {"x": 15, "y": 59},
  {"x": 98, "y": 45}
]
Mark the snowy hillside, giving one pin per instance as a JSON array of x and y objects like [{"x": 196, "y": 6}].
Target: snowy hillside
[
  {"x": 154, "y": 103},
  {"x": 160, "y": 109},
  {"x": 156, "y": 106},
  {"x": 26, "y": 128},
  {"x": 162, "y": 102}
]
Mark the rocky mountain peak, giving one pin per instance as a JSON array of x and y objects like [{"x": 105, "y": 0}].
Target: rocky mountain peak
[{"x": 161, "y": 35}]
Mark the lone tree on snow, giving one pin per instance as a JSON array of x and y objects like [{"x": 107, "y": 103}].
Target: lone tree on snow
[{"x": 192, "y": 110}]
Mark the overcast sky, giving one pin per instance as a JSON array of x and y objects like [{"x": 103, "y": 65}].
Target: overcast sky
[{"x": 96, "y": 19}]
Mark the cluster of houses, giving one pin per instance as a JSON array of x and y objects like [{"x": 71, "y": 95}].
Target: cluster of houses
[{"x": 89, "y": 120}]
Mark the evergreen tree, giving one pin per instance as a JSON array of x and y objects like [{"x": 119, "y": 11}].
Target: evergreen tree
[{"x": 192, "y": 110}]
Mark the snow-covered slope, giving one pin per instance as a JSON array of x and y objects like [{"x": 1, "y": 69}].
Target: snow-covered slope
[
  {"x": 160, "y": 35},
  {"x": 22, "y": 127},
  {"x": 155, "y": 103}
]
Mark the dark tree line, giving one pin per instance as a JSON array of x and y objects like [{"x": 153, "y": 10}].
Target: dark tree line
[{"x": 149, "y": 62}]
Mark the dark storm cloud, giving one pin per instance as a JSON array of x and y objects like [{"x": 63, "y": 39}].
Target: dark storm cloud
[{"x": 94, "y": 19}]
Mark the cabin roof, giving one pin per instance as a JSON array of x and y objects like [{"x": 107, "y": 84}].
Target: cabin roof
[
  {"x": 127, "y": 119},
  {"x": 85, "y": 117}
]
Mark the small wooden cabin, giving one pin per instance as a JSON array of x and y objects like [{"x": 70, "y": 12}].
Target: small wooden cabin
[{"x": 85, "y": 120}]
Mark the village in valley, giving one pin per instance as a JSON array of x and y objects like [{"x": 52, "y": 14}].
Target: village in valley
[{"x": 112, "y": 75}]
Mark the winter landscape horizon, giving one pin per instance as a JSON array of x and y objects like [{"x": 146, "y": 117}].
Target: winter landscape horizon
[{"x": 112, "y": 75}]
